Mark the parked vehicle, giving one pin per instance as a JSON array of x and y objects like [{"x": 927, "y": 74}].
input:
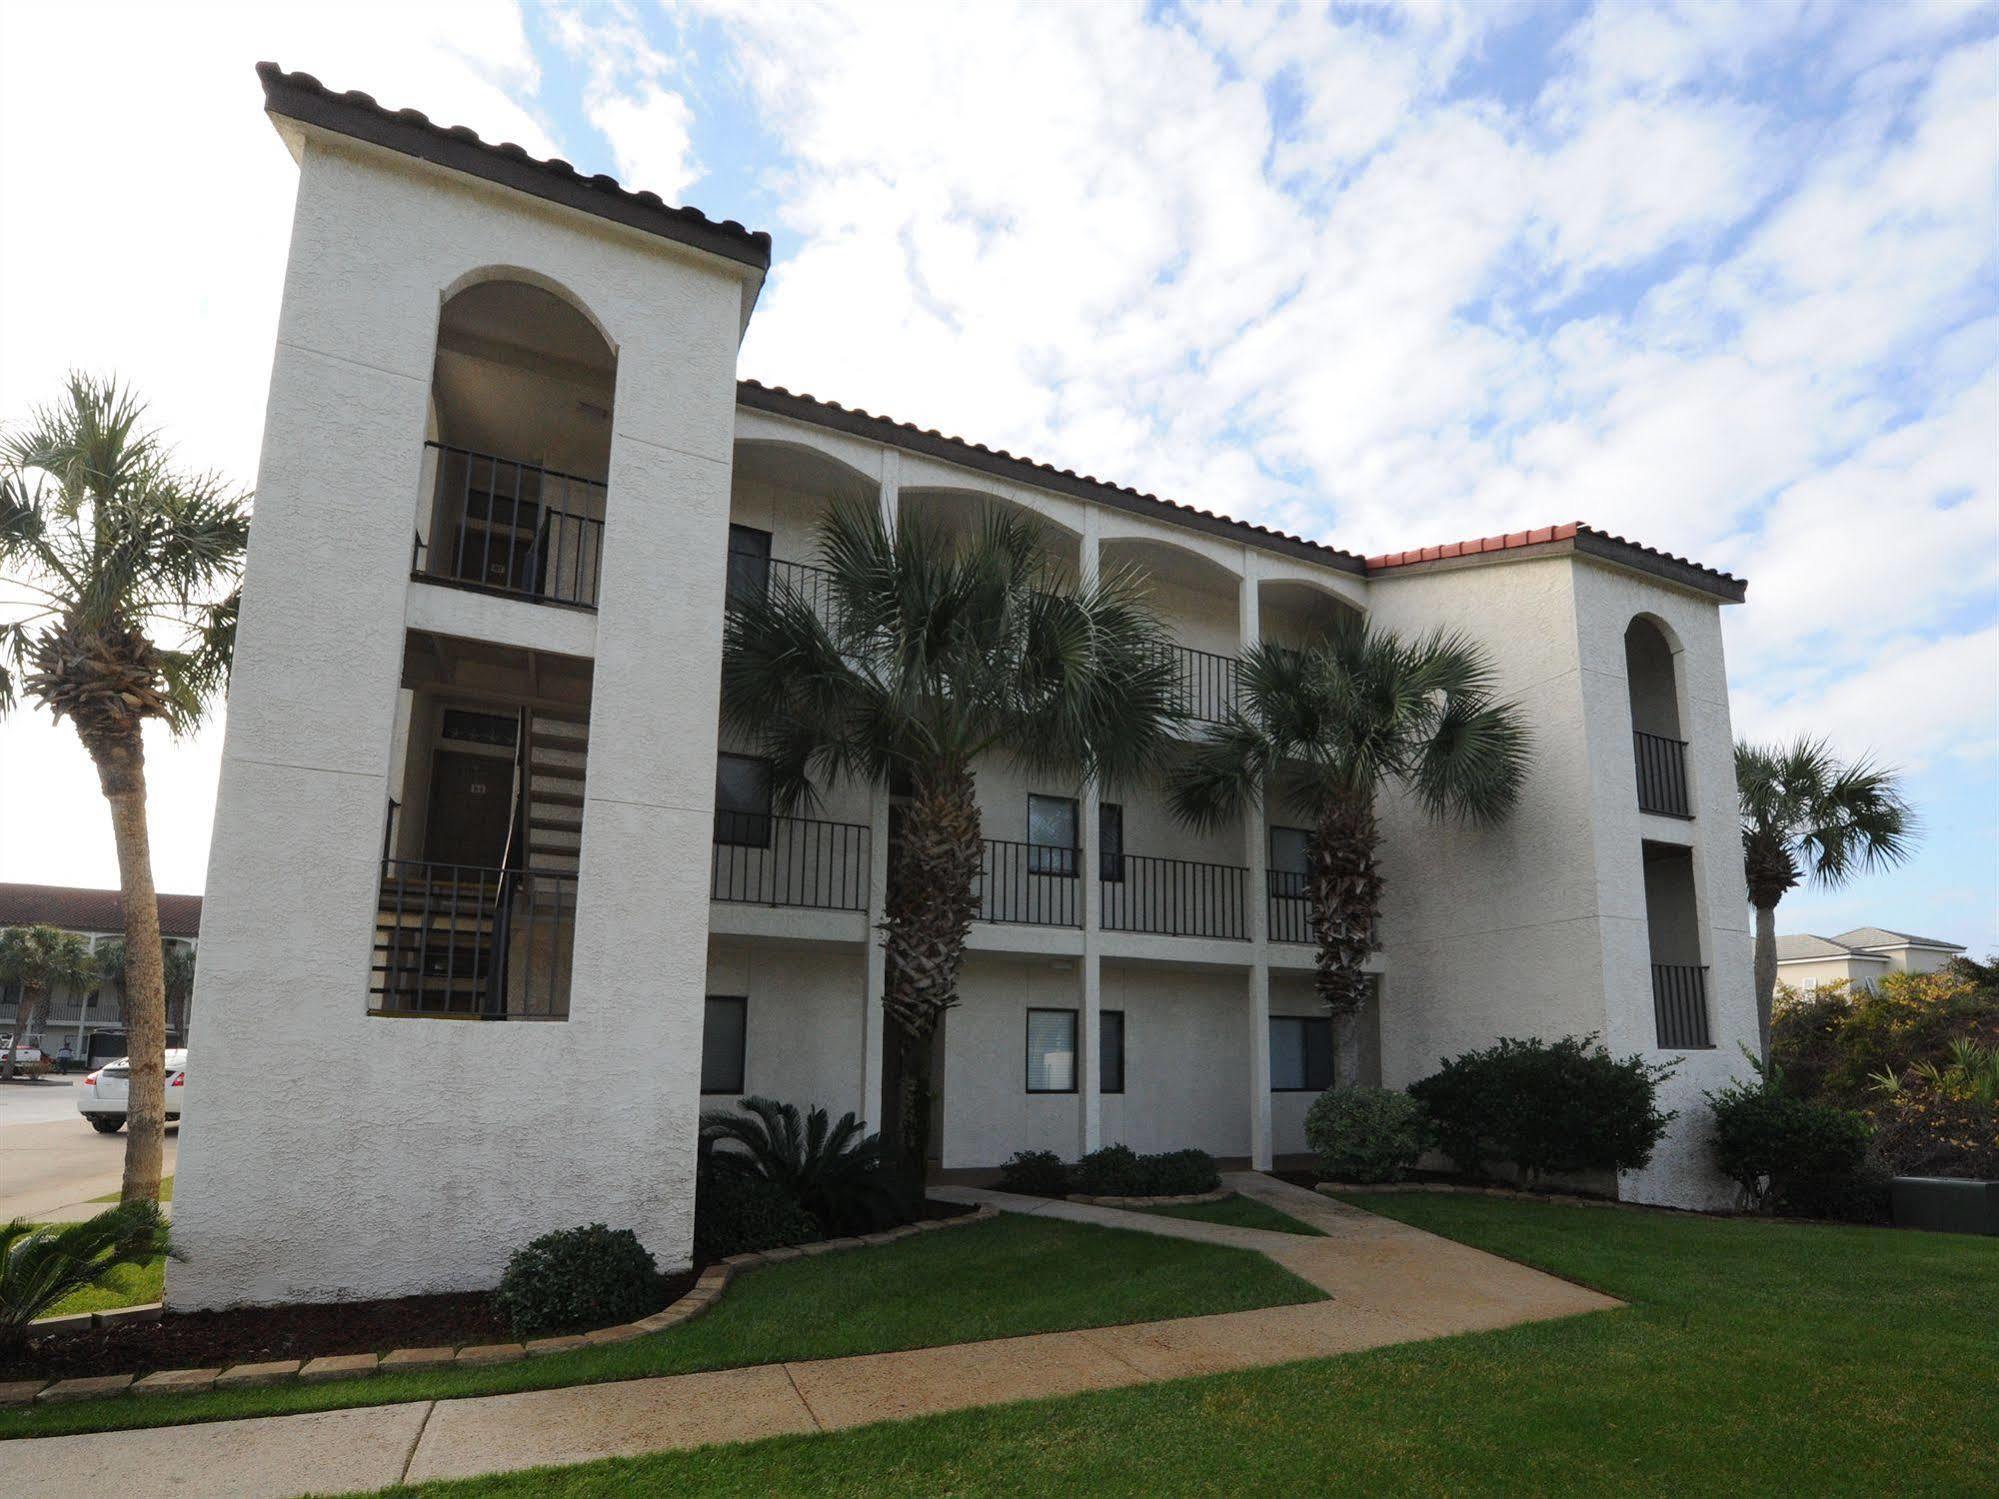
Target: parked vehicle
[{"x": 101, "y": 1096}]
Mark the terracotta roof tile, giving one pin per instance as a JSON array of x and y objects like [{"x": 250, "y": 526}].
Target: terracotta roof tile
[
  {"x": 81, "y": 910},
  {"x": 300, "y": 96},
  {"x": 1725, "y": 583}
]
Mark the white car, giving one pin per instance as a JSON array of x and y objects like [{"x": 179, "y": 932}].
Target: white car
[{"x": 100, "y": 1097}]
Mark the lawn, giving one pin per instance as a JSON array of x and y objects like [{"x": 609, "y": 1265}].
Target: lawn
[
  {"x": 166, "y": 1192},
  {"x": 1012, "y": 1276},
  {"x": 1755, "y": 1357},
  {"x": 1238, "y": 1212},
  {"x": 128, "y": 1285}
]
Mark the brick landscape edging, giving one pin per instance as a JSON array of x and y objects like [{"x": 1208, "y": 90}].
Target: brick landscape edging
[
  {"x": 1181, "y": 1199},
  {"x": 1332, "y": 1189},
  {"x": 707, "y": 1291}
]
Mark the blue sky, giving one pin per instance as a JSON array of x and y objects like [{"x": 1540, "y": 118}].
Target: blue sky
[{"x": 1717, "y": 276}]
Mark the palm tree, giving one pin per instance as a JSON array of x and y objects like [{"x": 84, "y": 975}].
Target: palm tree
[
  {"x": 177, "y": 981},
  {"x": 132, "y": 565},
  {"x": 925, "y": 655},
  {"x": 1808, "y": 818},
  {"x": 1324, "y": 729},
  {"x": 41, "y": 959}
]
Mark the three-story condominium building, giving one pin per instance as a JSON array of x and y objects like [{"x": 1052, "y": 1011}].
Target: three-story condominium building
[{"x": 495, "y": 908}]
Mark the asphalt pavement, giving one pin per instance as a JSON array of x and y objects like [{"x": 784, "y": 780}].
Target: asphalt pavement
[{"x": 51, "y": 1161}]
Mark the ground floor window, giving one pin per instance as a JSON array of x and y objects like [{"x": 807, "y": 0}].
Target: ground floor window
[
  {"x": 724, "y": 1043},
  {"x": 1301, "y": 1053},
  {"x": 1110, "y": 1051},
  {"x": 1051, "y": 1051}
]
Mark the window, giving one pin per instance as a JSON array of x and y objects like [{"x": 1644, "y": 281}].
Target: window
[
  {"x": 1110, "y": 843},
  {"x": 1051, "y": 835},
  {"x": 724, "y": 1038},
  {"x": 1051, "y": 1051},
  {"x": 1290, "y": 862},
  {"x": 749, "y": 565},
  {"x": 742, "y": 801},
  {"x": 468, "y": 727},
  {"x": 1110, "y": 1051},
  {"x": 1301, "y": 1053}
]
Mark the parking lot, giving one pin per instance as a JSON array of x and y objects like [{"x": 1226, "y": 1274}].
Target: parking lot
[{"x": 52, "y": 1162}]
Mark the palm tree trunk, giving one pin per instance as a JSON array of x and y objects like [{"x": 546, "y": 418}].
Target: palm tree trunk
[
  {"x": 1766, "y": 975},
  {"x": 1346, "y": 900},
  {"x": 121, "y": 772},
  {"x": 932, "y": 896}
]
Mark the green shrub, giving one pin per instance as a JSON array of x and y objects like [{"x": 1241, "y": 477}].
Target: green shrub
[
  {"x": 1565, "y": 1106},
  {"x": 1366, "y": 1134},
  {"x": 1788, "y": 1154},
  {"x": 577, "y": 1278},
  {"x": 41, "y": 1264},
  {"x": 1831, "y": 1044},
  {"x": 1035, "y": 1173},
  {"x": 737, "y": 1212},
  {"x": 836, "y": 1172},
  {"x": 1119, "y": 1171}
]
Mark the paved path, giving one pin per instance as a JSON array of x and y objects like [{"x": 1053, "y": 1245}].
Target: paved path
[
  {"x": 1389, "y": 1283},
  {"x": 50, "y": 1169}
]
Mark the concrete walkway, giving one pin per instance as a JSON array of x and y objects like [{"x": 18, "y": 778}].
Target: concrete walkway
[{"x": 1389, "y": 1283}]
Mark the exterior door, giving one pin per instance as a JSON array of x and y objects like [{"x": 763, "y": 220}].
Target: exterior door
[{"x": 471, "y": 805}]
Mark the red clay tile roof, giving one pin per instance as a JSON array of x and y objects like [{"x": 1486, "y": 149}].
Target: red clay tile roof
[
  {"x": 77, "y": 910},
  {"x": 302, "y": 97},
  {"x": 996, "y": 461},
  {"x": 1578, "y": 536}
]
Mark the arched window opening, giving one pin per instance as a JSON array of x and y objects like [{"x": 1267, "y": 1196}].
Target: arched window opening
[{"x": 1651, "y": 671}]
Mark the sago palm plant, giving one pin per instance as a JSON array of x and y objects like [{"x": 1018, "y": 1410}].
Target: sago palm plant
[
  {"x": 1809, "y": 818},
  {"x": 41, "y": 959},
  {"x": 1324, "y": 729},
  {"x": 131, "y": 566},
  {"x": 40, "y": 1264},
  {"x": 835, "y": 1171},
  {"x": 925, "y": 654}
]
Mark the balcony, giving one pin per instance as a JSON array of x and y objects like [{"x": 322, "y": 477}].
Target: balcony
[
  {"x": 765, "y": 860},
  {"x": 507, "y": 527},
  {"x": 1290, "y": 906},
  {"x": 1029, "y": 884},
  {"x": 1173, "y": 897},
  {"x": 1679, "y": 1005},
  {"x": 1204, "y": 684},
  {"x": 1662, "y": 774},
  {"x": 457, "y": 941}
]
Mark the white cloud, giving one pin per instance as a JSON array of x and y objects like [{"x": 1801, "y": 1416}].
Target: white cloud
[{"x": 652, "y": 136}]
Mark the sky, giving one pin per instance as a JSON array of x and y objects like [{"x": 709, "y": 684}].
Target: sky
[{"x": 1716, "y": 276}]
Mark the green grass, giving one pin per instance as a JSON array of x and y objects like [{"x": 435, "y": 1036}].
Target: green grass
[
  {"x": 1755, "y": 1358},
  {"x": 166, "y": 1192},
  {"x": 1238, "y": 1212},
  {"x": 128, "y": 1285},
  {"x": 1012, "y": 1276}
]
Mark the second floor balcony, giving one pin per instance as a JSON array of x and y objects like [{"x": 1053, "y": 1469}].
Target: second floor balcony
[{"x": 504, "y": 526}]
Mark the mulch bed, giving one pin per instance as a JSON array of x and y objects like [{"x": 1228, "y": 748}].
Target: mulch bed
[{"x": 257, "y": 1334}]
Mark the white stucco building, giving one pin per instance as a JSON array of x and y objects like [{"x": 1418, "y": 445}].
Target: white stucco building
[
  {"x": 1858, "y": 958},
  {"x": 494, "y": 910}
]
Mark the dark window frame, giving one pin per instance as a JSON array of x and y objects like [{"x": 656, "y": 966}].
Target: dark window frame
[
  {"x": 742, "y": 1051},
  {"x": 1040, "y": 856},
  {"x": 1103, "y": 1052},
  {"x": 1305, "y": 1052},
  {"x": 734, "y": 827},
  {"x": 1296, "y": 882},
  {"x": 1075, "y": 1051},
  {"x": 748, "y": 566},
  {"x": 1110, "y": 862}
]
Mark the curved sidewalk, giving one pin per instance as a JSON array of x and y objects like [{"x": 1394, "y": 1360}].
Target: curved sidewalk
[{"x": 1388, "y": 1283}]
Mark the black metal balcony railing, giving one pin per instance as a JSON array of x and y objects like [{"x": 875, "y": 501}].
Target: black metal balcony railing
[
  {"x": 511, "y": 527},
  {"x": 1290, "y": 906},
  {"x": 765, "y": 860},
  {"x": 1662, "y": 774},
  {"x": 1173, "y": 897},
  {"x": 753, "y": 575},
  {"x": 1030, "y": 884},
  {"x": 458, "y": 940},
  {"x": 1204, "y": 684},
  {"x": 1679, "y": 1005}
]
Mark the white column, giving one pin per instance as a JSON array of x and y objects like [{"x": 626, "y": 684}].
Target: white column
[
  {"x": 1256, "y": 857},
  {"x": 875, "y": 970},
  {"x": 1090, "y": 1124}
]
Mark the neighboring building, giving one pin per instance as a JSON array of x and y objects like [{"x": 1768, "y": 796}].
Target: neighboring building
[
  {"x": 91, "y": 1020},
  {"x": 510, "y": 484},
  {"x": 1857, "y": 958}
]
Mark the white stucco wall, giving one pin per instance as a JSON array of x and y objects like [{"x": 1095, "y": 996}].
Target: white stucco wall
[{"x": 459, "y": 1141}]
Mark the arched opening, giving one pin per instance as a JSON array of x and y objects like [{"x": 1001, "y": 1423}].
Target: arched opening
[
  {"x": 1652, "y": 675},
  {"x": 1200, "y": 600},
  {"x": 1295, "y": 614},
  {"x": 961, "y": 512},
  {"x": 779, "y": 494},
  {"x": 520, "y": 443}
]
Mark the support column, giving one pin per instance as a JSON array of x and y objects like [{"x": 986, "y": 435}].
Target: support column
[
  {"x": 875, "y": 969},
  {"x": 1089, "y": 1092},
  {"x": 1255, "y": 854}
]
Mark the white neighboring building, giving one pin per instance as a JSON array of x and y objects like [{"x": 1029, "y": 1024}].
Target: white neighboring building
[
  {"x": 494, "y": 910},
  {"x": 1857, "y": 958}
]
